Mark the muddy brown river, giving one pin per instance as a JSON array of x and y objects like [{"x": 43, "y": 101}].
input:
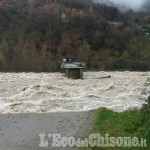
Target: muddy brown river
[{"x": 52, "y": 92}]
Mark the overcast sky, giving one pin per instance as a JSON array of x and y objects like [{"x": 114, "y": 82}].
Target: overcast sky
[{"x": 133, "y": 4}]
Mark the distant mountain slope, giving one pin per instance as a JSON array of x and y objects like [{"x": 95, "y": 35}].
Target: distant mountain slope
[
  {"x": 34, "y": 36},
  {"x": 110, "y": 3}
]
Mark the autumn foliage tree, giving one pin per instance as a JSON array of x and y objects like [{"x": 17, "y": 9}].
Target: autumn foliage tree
[{"x": 37, "y": 34}]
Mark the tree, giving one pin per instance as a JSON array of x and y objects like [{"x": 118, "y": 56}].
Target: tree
[
  {"x": 2, "y": 59},
  {"x": 85, "y": 53}
]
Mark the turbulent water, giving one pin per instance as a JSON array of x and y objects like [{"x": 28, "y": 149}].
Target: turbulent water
[{"x": 52, "y": 92}]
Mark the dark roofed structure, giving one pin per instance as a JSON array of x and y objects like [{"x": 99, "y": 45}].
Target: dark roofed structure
[{"x": 74, "y": 70}]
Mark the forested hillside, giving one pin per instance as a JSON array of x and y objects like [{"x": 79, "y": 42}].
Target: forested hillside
[{"x": 36, "y": 34}]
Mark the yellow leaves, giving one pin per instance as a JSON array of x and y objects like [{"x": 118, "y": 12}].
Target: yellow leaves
[
  {"x": 125, "y": 54},
  {"x": 73, "y": 11}
]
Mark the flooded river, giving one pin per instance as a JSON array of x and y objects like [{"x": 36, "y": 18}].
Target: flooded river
[{"x": 52, "y": 92}]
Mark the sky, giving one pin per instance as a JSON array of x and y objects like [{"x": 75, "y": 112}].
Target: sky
[{"x": 133, "y": 4}]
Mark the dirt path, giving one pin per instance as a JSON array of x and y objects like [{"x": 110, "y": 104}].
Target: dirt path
[{"x": 21, "y": 131}]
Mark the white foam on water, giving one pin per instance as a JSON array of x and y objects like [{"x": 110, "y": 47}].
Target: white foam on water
[{"x": 52, "y": 92}]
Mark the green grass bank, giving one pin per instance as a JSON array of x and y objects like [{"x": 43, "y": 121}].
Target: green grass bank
[{"x": 130, "y": 123}]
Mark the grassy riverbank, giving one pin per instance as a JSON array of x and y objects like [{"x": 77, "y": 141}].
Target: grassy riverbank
[{"x": 130, "y": 123}]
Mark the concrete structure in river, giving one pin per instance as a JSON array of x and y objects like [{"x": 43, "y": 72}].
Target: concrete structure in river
[{"x": 74, "y": 70}]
